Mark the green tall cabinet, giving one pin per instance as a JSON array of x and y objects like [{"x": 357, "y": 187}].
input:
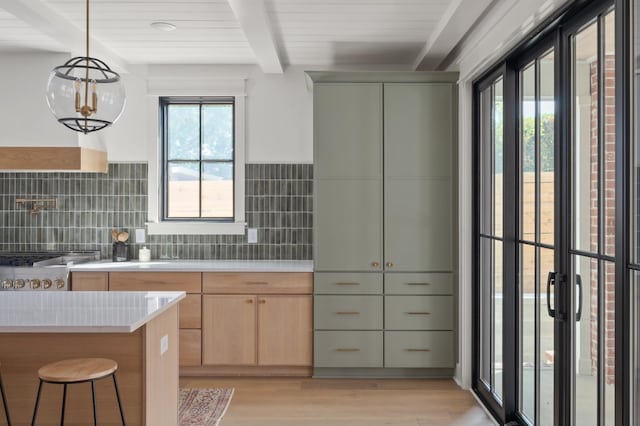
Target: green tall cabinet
[{"x": 385, "y": 223}]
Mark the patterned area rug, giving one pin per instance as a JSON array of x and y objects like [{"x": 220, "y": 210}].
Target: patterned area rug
[{"x": 203, "y": 407}]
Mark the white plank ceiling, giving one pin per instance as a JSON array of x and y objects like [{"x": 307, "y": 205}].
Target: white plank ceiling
[{"x": 308, "y": 32}]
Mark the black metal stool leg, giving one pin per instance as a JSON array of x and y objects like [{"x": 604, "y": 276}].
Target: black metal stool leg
[
  {"x": 4, "y": 402},
  {"x": 93, "y": 396},
  {"x": 115, "y": 384},
  {"x": 35, "y": 409},
  {"x": 64, "y": 403}
]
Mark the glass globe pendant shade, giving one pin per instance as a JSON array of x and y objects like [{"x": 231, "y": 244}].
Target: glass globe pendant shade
[{"x": 85, "y": 95}]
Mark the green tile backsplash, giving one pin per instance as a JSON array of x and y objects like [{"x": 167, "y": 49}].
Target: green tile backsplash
[{"x": 278, "y": 202}]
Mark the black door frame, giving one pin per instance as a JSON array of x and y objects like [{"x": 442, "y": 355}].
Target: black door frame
[{"x": 554, "y": 33}]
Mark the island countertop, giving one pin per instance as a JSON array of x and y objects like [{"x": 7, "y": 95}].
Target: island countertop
[
  {"x": 175, "y": 265},
  {"x": 81, "y": 312}
]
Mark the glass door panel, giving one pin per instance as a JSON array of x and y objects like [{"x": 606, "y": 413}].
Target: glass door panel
[
  {"x": 536, "y": 238},
  {"x": 592, "y": 247}
]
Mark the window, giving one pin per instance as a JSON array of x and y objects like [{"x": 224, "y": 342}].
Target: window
[{"x": 198, "y": 153}]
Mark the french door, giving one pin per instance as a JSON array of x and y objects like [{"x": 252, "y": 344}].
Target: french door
[{"x": 545, "y": 291}]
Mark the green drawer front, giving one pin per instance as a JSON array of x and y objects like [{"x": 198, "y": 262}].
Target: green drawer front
[
  {"x": 431, "y": 283},
  {"x": 348, "y": 312},
  {"x": 419, "y": 312},
  {"x": 348, "y": 349},
  {"x": 419, "y": 349},
  {"x": 347, "y": 283}
]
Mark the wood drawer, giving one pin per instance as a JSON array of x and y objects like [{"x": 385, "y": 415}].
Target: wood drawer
[
  {"x": 419, "y": 312},
  {"x": 89, "y": 281},
  {"x": 431, "y": 283},
  {"x": 347, "y": 283},
  {"x": 348, "y": 312},
  {"x": 257, "y": 282},
  {"x": 189, "y": 282},
  {"x": 419, "y": 349},
  {"x": 190, "y": 348},
  {"x": 190, "y": 311},
  {"x": 348, "y": 349}
]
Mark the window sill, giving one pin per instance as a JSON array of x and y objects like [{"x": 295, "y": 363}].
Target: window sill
[{"x": 195, "y": 228}]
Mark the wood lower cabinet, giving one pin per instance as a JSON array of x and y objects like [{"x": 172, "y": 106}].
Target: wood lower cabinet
[
  {"x": 262, "y": 330},
  {"x": 230, "y": 323}
]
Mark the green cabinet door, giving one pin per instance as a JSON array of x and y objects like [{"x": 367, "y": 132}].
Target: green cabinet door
[
  {"x": 348, "y": 225},
  {"x": 347, "y": 123},
  {"x": 419, "y": 130},
  {"x": 419, "y": 224}
]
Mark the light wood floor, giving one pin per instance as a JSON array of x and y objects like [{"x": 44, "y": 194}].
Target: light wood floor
[{"x": 315, "y": 402}]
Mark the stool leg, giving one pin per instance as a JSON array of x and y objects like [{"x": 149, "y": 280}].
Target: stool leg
[
  {"x": 64, "y": 403},
  {"x": 35, "y": 409},
  {"x": 93, "y": 396},
  {"x": 4, "y": 402},
  {"x": 115, "y": 384}
]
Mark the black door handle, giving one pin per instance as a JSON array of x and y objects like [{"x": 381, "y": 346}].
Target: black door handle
[
  {"x": 551, "y": 280},
  {"x": 579, "y": 284}
]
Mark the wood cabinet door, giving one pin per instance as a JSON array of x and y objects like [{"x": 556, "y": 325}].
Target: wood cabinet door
[
  {"x": 89, "y": 281},
  {"x": 285, "y": 330},
  {"x": 229, "y": 330}
]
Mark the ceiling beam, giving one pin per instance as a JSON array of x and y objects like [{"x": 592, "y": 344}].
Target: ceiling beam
[
  {"x": 254, "y": 21},
  {"x": 457, "y": 21},
  {"x": 43, "y": 18}
]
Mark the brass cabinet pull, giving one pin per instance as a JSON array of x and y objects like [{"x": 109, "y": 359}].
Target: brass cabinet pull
[
  {"x": 347, "y": 283},
  {"x": 418, "y": 350},
  {"x": 375, "y": 264},
  {"x": 256, "y": 283},
  {"x": 250, "y": 301},
  {"x": 418, "y": 283},
  {"x": 418, "y": 313},
  {"x": 347, "y": 350},
  {"x": 262, "y": 301},
  {"x": 347, "y": 313},
  {"x": 389, "y": 264}
]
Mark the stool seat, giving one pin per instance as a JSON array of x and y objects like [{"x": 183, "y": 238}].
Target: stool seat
[{"x": 77, "y": 370}]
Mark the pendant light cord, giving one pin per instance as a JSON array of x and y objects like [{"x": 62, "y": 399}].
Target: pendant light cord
[{"x": 86, "y": 80}]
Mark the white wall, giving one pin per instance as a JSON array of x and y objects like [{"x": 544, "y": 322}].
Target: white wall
[{"x": 502, "y": 28}]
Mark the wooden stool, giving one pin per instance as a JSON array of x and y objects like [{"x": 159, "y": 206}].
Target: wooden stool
[
  {"x": 79, "y": 370},
  {"x": 4, "y": 402}
]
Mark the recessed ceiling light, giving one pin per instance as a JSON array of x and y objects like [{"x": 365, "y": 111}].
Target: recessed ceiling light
[{"x": 163, "y": 26}]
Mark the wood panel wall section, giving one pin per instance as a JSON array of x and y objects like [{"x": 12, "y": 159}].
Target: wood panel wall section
[{"x": 231, "y": 323}]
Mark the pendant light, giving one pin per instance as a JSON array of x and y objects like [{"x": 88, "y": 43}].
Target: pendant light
[{"x": 84, "y": 94}]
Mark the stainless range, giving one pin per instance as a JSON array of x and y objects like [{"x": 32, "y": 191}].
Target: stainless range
[{"x": 47, "y": 271}]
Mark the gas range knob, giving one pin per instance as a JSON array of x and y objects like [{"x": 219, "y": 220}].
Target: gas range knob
[
  {"x": 7, "y": 283},
  {"x": 46, "y": 283},
  {"x": 35, "y": 283},
  {"x": 59, "y": 283},
  {"x": 19, "y": 284}
]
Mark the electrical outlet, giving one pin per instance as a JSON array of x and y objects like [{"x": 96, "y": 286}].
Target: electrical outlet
[
  {"x": 164, "y": 344},
  {"x": 140, "y": 236},
  {"x": 252, "y": 236}
]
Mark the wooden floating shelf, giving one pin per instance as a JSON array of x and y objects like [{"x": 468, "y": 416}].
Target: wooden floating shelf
[{"x": 75, "y": 159}]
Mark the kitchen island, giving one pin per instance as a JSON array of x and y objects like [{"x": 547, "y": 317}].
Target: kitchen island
[{"x": 138, "y": 330}]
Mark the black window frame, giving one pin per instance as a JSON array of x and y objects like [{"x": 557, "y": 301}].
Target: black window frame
[{"x": 164, "y": 103}]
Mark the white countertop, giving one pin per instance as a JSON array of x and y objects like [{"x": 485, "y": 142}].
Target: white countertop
[
  {"x": 81, "y": 311},
  {"x": 199, "y": 266}
]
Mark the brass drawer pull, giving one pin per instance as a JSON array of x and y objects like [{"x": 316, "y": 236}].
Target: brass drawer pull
[
  {"x": 347, "y": 350},
  {"x": 347, "y": 313},
  {"x": 249, "y": 300},
  {"x": 262, "y": 301},
  {"x": 418, "y": 350},
  {"x": 375, "y": 264},
  {"x": 389, "y": 264},
  {"x": 418, "y": 313},
  {"x": 347, "y": 283},
  {"x": 256, "y": 283},
  {"x": 418, "y": 283}
]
